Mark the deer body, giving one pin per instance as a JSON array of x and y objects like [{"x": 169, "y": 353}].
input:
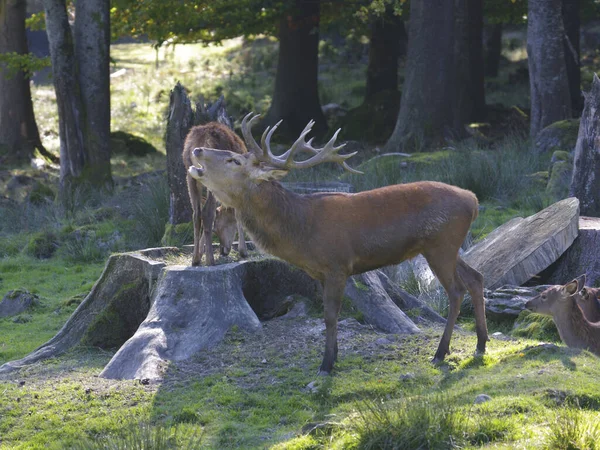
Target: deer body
[
  {"x": 588, "y": 300},
  {"x": 217, "y": 135},
  {"x": 561, "y": 302},
  {"x": 334, "y": 235}
]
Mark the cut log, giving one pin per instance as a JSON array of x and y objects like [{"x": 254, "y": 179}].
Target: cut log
[
  {"x": 155, "y": 312},
  {"x": 580, "y": 258},
  {"x": 522, "y": 248}
]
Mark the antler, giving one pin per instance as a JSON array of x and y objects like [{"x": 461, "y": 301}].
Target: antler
[{"x": 328, "y": 153}]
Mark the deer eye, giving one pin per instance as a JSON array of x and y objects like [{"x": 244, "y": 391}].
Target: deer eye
[{"x": 233, "y": 160}]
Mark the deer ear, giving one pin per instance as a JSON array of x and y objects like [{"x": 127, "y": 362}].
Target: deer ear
[
  {"x": 580, "y": 282},
  {"x": 270, "y": 173},
  {"x": 571, "y": 287}
]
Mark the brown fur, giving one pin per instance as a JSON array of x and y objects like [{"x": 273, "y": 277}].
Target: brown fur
[
  {"x": 213, "y": 135},
  {"x": 332, "y": 236},
  {"x": 589, "y": 302},
  {"x": 561, "y": 302}
]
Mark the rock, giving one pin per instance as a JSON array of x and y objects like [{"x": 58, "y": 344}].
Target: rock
[
  {"x": 123, "y": 143},
  {"x": 298, "y": 310},
  {"x": 561, "y": 135},
  {"x": 507, "y": 302},
  {"x": 407, "y": 376},
  {"x": 367, "y": 293},
  {"x": 521, "y": 248},
  {"x": 16, "y": 302},
  {"x": 482, "y": 398},
  {"x": 333, "y": 111},
  {"x": 580, "y": 258},
  {"x": 309, "y": 187}
]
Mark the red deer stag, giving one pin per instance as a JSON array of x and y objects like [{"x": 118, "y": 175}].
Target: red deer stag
[
  {"x": 334, "y": 235},
  {"x": 560, "y": 302},
  {"x": 216, "y": 135}
]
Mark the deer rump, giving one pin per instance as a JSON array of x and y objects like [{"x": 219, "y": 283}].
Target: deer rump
[{"x": 215, "y": 135}]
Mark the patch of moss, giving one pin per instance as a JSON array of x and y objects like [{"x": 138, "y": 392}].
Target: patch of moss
[{"x": 535, "y": 326}]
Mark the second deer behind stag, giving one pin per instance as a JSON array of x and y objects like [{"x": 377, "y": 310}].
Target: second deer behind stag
[{"x": 215, "y": 135}]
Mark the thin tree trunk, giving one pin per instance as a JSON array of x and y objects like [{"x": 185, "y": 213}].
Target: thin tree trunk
[
  {"x": 468, "y": 50},
  {"x": 493, "y": 45},
  {"x": 92, "y": 44},
  {"x": 550, "y": 98},
  {"x": 572, "y": 24},
  {"x": 388, "y": 41},
  {"x": 18, "y": 128},
  {"x": 427, "y": 94},
  {"x": 296, "y": 98}
]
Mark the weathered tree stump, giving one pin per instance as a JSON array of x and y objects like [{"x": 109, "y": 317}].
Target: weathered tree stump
[
  {"x": 156, "y": 313},
  {"x": 522, "y": 248}
]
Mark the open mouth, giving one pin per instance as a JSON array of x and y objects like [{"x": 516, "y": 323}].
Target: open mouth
[{"x": 196, "y": 171}]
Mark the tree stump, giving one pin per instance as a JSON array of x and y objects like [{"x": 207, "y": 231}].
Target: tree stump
[{"x": 154, "y": 312}]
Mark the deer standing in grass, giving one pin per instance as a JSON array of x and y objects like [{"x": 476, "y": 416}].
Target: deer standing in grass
[
  {"x": 561, "y": 302},
  {"x": 216, "y": 135},
  {"x": 334, "y": 235}
]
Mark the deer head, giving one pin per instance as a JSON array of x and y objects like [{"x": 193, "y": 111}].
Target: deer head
[
  {"x": 229, "y": 174},
  {"x": 556, "y": 298}
]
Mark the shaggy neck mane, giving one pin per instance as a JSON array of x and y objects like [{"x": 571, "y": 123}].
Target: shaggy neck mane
[{"x": 275, "y": 216}]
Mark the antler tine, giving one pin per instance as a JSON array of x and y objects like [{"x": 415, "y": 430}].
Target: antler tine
[
  {"x": 247, "y": 133},
  {"x": 299, "y": 144},
  {"x": 329, "y": 153},
  {"x": 266, "y": 144}
]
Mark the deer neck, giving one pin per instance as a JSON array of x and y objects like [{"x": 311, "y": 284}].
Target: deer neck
[
  {"x": 277, "y": 219},
  {"x": 575, "y": 330}
]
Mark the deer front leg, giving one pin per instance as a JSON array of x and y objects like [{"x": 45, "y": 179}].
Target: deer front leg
[
  {"x": 195, "y": 198},
  {"x": 242, "y": 249},
  {"x": 474, "y": 282},
  {"x": 332, "y": 300},
  {"x": 208, "y": 219}
]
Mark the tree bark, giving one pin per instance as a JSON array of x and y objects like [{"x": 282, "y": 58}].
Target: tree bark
[
  {"x": 388, "y": 43},
  {"x": 78, "y": 126},
  {"x": 585, "y": 184},
  {"x": 468, "y": 50},
  {"x": 427, "y": 94},
  {"x": 92, "y": 44},
  {"x": 18, "y": 128},
  {"x": 493, "y": 45},
  {"x": 181, "y": 119},
  {"x": 550, "y": 98},
  {"x": 572, "y": 48},
  {"x": 296, "y": 97}
]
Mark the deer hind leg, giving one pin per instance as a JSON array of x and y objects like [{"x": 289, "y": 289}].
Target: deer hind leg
[
  {"x": 474, "y": 282},
  {"x": 443, "y": 264},
  {"x": 196, "y": 200},
  {"x": 209, "y": 212},
  {"x": 332, "y": 300},
  {"x": 242, "y": 249}
]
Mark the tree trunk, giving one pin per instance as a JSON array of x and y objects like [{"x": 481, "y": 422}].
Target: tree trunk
[
  {"x": 550, "y": 98},
  {"x": 18, "y": 130},
  {"x": 427, "y": 94},
  {"x": 296, "y": 98},
  {"x": 181, "y": 119},
  {"x": 79, "y": 127},
  {"x": 92, "y": 44},
  {"x": 572, "y": 22},
  {"x": 585, "y": 184},
  {"x": 388, "y": 42},
  {"x": 493, "y": 44},
  {"x": 468, "y": 50}
]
